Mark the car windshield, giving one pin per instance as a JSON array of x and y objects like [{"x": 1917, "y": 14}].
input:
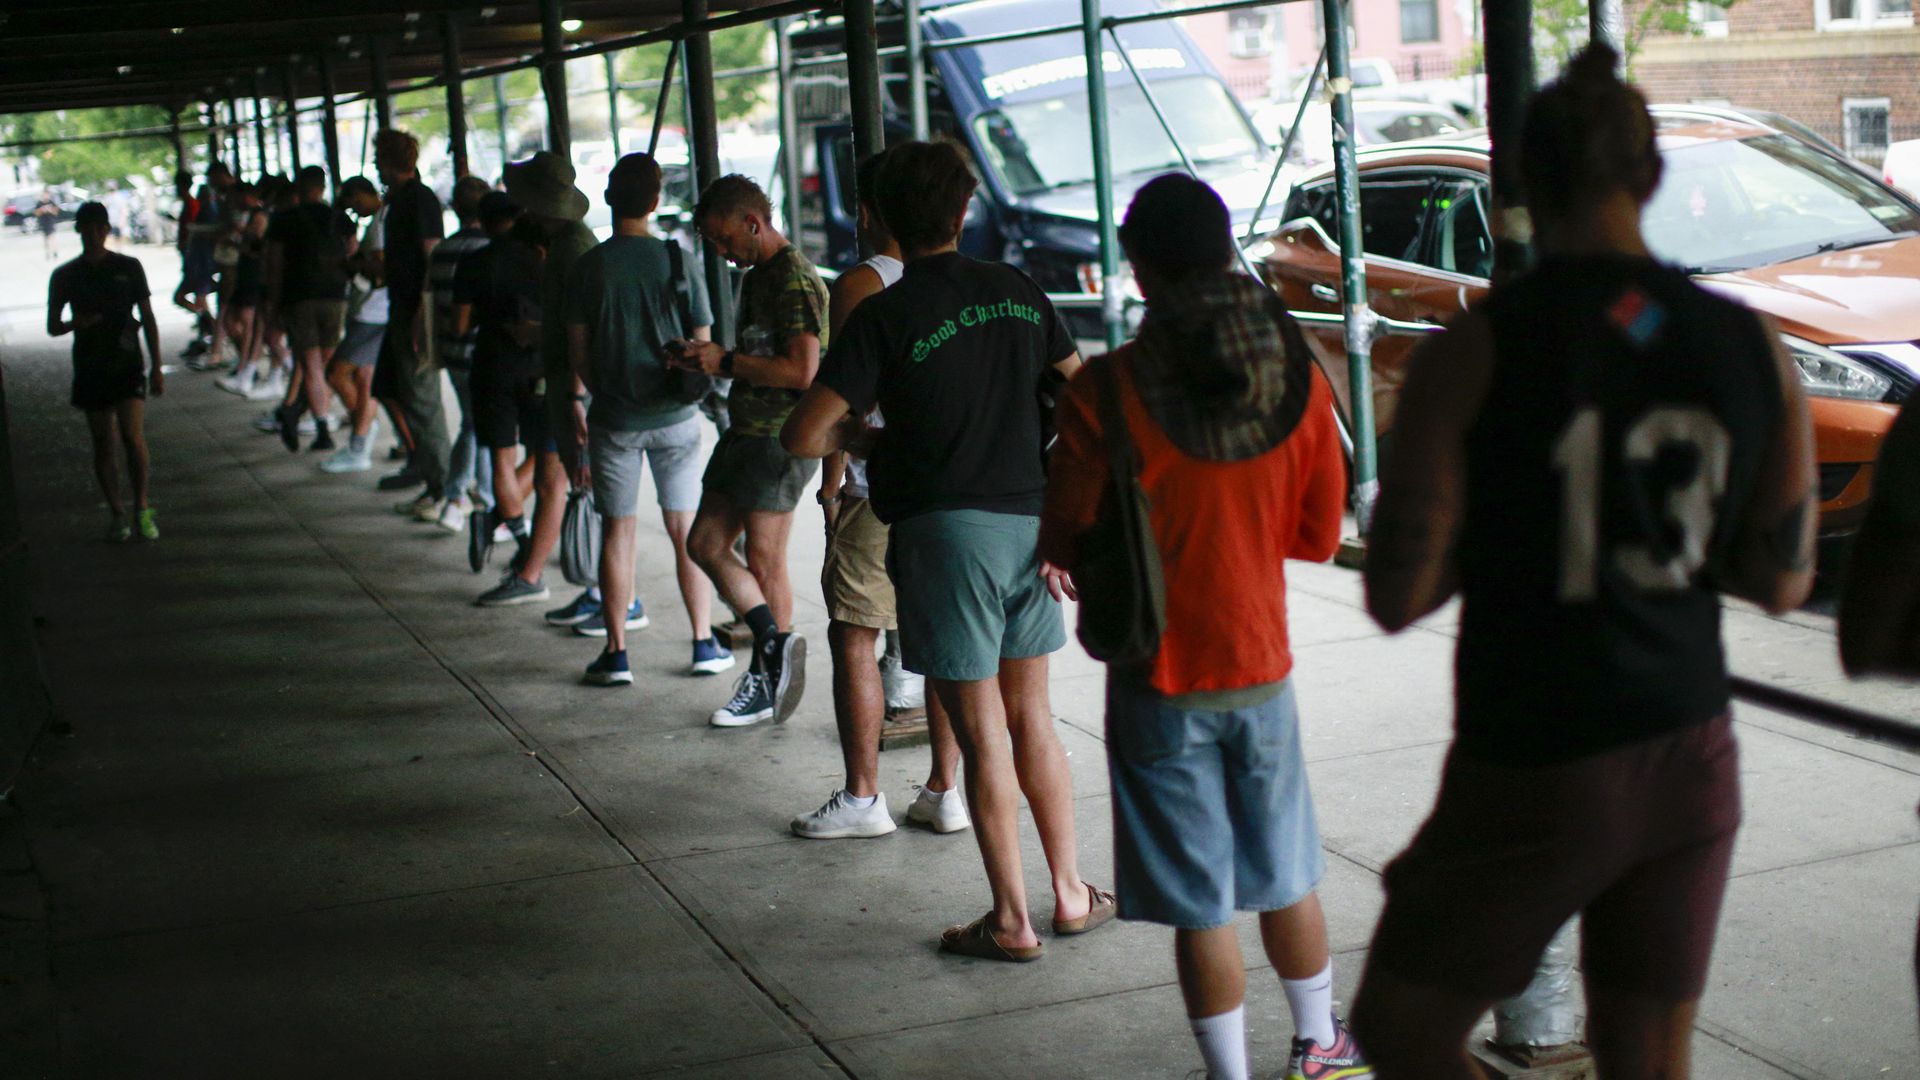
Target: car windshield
[
  {"x": 1036, "y": 146},
  {"x": 1401, "y": 125},
  {"x": 1737, "y": 204}
]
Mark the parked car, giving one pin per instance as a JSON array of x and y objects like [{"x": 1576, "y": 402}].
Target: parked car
[
  {"x": 1752, "y": 212},
  {"x": 1375, "y": 123},
  {"x": 1901, "y": 169}
]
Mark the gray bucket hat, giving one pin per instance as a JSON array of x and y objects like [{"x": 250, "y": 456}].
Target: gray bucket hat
[{"x": 543, "y": 185}]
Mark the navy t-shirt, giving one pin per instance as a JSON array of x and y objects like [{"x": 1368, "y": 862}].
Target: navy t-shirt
[{"x": 413, "y": 218}]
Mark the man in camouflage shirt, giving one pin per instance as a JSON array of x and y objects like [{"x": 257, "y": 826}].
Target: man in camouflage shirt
[{"x": 752, "y": 483}]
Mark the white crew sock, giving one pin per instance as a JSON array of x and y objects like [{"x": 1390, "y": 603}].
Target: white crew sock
[
  {"x": 1312, "y": 1003},
  {"x": 1223, "y": 1043},
  {"x": 858, "y": 801},
  {"x": 935, "y": 797},
  {"x": 593, "y": 594}
]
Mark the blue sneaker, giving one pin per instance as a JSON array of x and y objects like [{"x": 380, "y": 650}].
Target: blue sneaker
[
  {"x": 710, "y": 657},
  {"x": 597, "y": 626},
  {"x": 584, "y": 607},
  {"x": 610, "y": 670}
]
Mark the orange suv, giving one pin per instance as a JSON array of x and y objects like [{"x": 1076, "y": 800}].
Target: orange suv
[{"x": 1751, "y": 210}]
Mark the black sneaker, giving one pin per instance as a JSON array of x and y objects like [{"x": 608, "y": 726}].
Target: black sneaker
[
  {"x": 400, "y": 481},
  {"x": 289, "y": 417},
  {"x": 480, "y": 526},
  {"x": 322, "y": 438},
  {"x": 784, "y": 661}
]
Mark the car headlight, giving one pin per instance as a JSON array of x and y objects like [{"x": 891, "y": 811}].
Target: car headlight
[{"x": 1826, "y": 373}]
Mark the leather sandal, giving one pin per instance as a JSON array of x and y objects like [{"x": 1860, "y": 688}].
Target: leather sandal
[
  {"x": 1102, "y": 907},
  {"x": 976, "y": 939}
]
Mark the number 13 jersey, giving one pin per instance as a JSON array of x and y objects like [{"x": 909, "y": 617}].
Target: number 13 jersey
[{"x": 1622, "y": 431}]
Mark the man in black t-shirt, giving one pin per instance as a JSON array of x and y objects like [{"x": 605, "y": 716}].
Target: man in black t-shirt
[
  {"x": 405, "y": 379},
  {"x": 954, "y": 355},
  {"x": 307, "y": 249},
  {"x": 112, "y": 313}
]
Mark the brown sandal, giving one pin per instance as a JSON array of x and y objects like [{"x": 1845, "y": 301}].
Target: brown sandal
[
  {"x": 1103, "y": 906},
  {"x": 976, "y": 939}
]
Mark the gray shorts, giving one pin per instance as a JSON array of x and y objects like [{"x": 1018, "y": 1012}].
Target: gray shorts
[
  {"x": 755, "y": 474},
  {"x": 969, "y": 591},
  {"x": 361, "y": 345},
  {"x": 671, "y": 452}
]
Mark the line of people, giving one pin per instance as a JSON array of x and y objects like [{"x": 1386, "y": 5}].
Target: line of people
[{"x": 1588, "y": 495}]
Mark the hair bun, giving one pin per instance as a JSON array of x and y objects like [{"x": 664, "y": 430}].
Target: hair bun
[{"x": 1597, "y": 63}]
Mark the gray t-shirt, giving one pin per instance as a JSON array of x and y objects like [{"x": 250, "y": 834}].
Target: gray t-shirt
[{"x": 623, "y": 293}]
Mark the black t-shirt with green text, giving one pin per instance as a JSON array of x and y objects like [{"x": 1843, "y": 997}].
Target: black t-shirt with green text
[{"x": 953, "y": 355}]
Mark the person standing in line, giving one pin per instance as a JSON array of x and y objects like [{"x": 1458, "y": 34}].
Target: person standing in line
[
  {"x": 369, "y": 307},
  {"x": 1589, "y": 458},
  {"x": 468, "y": 469},
  {"x": 46, "y": 215},
  {"x": 630, "y": 302},
  {"x": 861, "y": 604},
  {"x": 955, "y": 355},
  {"x": 1240, "y": 459},
  {"x": 752, "y": 485},
  {"x": 307, "y": 276},
  {"x": 241, "y": 320},
  {"x": 405, "y": 378},
  {"x": 112, "y": 314}
]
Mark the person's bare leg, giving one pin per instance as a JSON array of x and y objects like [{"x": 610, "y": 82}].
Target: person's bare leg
[
  {"x": 616, "y": 576},
  {"x": 1213, "y": 978},
  {"x": 696, "y": 592},
  {"x": 363, "y": 401},
  {"x": 767, "y": 535},
  {"x": 1295, "y": 939},
  {"x": 100, "y": 425},
  {"x": 1414, "y": 1032},
  {"x": 1041, "y": 762},
  {"x": 715, "y": 527},
  {"x": 993, "y": 796},
  {"x": 509, "y": 485},
  {"x": 132, "y": 417},
  {"x": 945, "y": 765},
  {"x": 859, "y": 704},
  {"x": 313, "y": 376},
  {"x": 523, "y": 472},
  {"x": 1635, "y": 1037},
  {"x": 549, "y": 510}
]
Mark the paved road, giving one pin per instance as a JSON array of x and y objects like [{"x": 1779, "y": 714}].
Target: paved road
[{"x": 319, "y": 817}]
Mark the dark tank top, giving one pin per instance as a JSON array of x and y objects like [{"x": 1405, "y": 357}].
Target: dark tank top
[{"x": 1623, "y": 428}]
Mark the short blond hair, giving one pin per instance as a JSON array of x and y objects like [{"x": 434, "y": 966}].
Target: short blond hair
[{"x": 397, "y": 146}]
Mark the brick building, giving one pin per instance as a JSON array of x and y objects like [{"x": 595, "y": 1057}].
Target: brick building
[
  {"x": 1264, "y": 52},
  {"x": 1849, "y": 69}
]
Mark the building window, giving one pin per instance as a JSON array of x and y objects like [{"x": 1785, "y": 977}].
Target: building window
[
  {"x": 1868, "y": 121},
  {"x": 1249, "y": 34},
  {"x": 1710, "y": 19},
  {"x": 1861, "y": 14},
  {"x": 1419, "y": 21}
]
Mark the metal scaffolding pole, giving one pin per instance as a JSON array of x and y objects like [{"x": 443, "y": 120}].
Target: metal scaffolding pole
[
  {"x": 789, "y": 130},
  {"x": 213, "y": 132},
  {"x": 179, "y": 147},
  {"x": 1354, "y": 303},
  {"x": 1606, "y": 22},
  {"x": 288, "y": 95},
  {"x": 259, "y": 126},
  {"x": 382, "y": 98},
  {"x": 456, "y": 92},
  {"x": 553, "y": 78},
  {"x": 863, "y": 88},
  {"x": 1090, "y": 22},
  {"x": 234, "y": 144},
  {"x": 330, "y": 126},
  {"x": 666, "y": 92},
  {"x": 1509, "y": 53},
  {"x": 704, "y": 138},
  {"x": 500, "y": 115},
  {"x": 916, "y": 72},
  {"x": 613, "y": 102}
]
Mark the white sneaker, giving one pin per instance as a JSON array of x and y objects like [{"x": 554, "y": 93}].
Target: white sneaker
[
  {"x": 266, "y": 422},
  {"x": 305, "y": 426},
  {"x": 839, "y": 819},
  {"x": 272, "y": 388},
  {"x": 944, "y": 814},
  {"x": 236, "y": 383},
  {"x": 453, "y": 515},
  {"x": 344, "y": 460}
]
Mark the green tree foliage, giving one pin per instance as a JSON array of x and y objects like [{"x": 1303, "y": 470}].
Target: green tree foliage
[
  {"x": 733, "y": 49},
  {"x": 1561, "y": 28},
  {"x": 91, "y": 164}
]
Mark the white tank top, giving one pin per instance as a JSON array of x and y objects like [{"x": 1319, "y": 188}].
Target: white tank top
[{"x": 855, "y": 485}]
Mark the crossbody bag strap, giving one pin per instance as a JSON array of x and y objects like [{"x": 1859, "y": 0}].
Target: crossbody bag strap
[
  {"x": 682, "y": 291},
  {"x": 1113, "y": 420}
]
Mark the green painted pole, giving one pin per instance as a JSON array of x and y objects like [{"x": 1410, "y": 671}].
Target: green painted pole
[
  {"x": 1090, "y": 22},
  {"x": 500, "y": 115},
  {"x": 613, "y": 102},
  {"x": 790, "y": 155},
  {"x": 1354, "y": 305},
  {"x": 330, "y": 124},
  {"x": 916, "y": 71}
]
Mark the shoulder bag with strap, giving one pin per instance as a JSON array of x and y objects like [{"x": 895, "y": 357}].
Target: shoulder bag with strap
[
  {"x": 1123, "y": 598},
  {"x": 686, "y": 387}
]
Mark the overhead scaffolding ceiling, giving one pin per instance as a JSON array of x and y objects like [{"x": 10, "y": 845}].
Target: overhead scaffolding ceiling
[{"x": 71, "y": 54}]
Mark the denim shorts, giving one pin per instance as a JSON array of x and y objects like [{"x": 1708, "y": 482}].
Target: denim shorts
[
  {"x": 671, "y": 452},
  {"x": 1211, "y": 810},
  {"x": 968, "y": 588}
]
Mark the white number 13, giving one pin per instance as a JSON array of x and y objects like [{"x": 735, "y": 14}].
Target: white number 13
[{"x": 1689, "y": 504}]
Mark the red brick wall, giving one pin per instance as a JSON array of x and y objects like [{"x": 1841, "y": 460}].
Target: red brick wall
[
  {"x": 1755, "y": 16},
  {"x": 1808, "y": 91}
]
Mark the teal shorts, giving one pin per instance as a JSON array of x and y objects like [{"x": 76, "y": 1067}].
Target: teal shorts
[{"x": 970, "y": 593}]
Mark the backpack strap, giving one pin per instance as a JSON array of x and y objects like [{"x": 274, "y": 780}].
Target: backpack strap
[{"x": 682, "y": 288}]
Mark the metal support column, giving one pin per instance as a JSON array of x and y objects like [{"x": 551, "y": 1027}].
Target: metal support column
[
  {"x": 863, "y": 87},
  {"x": 1607, "y": 22},
  {"x": 916, "y": 71},
  {"x": 382, "y": 98},
  {"x": 179, "y": 147},
  {"x": 790, "y": 149},
  {"x": 259, "y": 125},
  {"x": 234, "y": 144},
  {"x": 553, "y": 79},
  {"x": 666, "y": 93},
  {"x": 213, "y": 132},
  {"x": 500, "y": 115},
  {"x": 291, "y": 98},
  {"x": 1509, "y": 53},
  {"x": 704, "y": 138},
  {"x": 330, "y": 124},
  {"x": 1354, "y": 304},
  {"x": 613, "y": 102},
  {"x": 456, "y": 92},
  {"x": 1090, "y": 22}
]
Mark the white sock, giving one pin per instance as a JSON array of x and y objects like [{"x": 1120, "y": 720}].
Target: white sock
[
  {"x": 859, "y": 801},
  {"x": 935, "y": 797},
  {"x": 593, "y": 594},
  {"x": 1312, "y": 1003},
  {"x": 1223, "y": 1043}
]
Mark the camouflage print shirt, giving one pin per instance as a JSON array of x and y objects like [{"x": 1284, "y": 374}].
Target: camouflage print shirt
[{"x": 779, "y": 300}]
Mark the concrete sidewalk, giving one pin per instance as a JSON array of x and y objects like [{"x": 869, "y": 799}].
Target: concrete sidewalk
[{"x": 320, "y": 817}]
